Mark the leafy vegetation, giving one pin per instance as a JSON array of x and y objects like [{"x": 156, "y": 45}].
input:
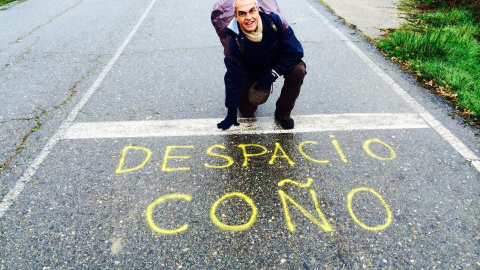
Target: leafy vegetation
[
  {"x": 441, "y": 45},
  {"x": 4, "y": 2}
]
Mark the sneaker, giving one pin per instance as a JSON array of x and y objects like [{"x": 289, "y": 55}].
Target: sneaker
[{"x": 285, "y": 122}]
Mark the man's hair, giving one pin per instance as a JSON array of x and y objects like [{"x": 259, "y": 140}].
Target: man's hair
[{"x": 235, "y": 3}]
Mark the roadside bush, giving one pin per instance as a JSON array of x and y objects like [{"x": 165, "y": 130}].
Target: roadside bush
[{"x": 443, "y": 50}]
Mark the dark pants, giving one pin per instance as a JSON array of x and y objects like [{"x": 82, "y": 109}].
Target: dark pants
[{"x": 288, "y": 96}]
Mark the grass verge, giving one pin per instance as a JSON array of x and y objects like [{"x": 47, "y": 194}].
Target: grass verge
[
  {"x": 442, "y": 47},
  {"x": 4, "y": 2}
]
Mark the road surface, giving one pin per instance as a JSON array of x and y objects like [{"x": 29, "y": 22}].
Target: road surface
[{"x": 115, "y": 105}]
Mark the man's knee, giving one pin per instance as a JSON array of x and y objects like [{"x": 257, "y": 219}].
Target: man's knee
[
  {"x": 298, "y": 71},
  {"x": 301, "y": 68}
]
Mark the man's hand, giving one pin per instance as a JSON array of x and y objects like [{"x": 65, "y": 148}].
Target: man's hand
[
  {"x": 230, "y": 120},
  {"x": 266, "y": 81}
]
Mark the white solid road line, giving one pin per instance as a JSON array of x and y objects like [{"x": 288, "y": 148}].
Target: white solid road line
[
  {"x": 447, "y": 135},
  {"x": 260, "y": 125},
  {"x": 30, "y": 171}
]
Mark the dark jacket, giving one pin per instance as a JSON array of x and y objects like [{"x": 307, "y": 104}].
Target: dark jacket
[{"x": 279, "y": 50}]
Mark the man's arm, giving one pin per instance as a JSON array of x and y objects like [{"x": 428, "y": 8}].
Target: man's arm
[
  {"x": 291, "y": 49},
  {"x": 234, "y": 78}
]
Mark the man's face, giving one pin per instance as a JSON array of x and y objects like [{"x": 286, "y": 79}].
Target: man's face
[{"x": 247, "y": 14}]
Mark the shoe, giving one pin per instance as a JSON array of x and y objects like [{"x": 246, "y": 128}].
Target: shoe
[{"x": 285, "y": 122}]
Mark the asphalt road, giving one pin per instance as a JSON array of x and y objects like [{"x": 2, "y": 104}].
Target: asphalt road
[{"x": 115, "y": 105}]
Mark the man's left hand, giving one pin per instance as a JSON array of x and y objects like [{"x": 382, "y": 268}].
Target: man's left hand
[{"x": 230, "y": 120}]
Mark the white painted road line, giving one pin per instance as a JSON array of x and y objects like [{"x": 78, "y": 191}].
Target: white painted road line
[
  {"x": 261, "y": 125},
  {"x": 476, "y": 164},
  {"x": 30, "y": 171},
  {"x": 447, "y": 135}
]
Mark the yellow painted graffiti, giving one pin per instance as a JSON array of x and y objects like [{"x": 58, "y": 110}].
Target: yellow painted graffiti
[
  {"x": 167, "y": 156},
  {"x": 211, "y": 153},
  {"x": 366, "y": 147},
  {"x": 246, "y": 155},
  {"x": 158, "y": 201},
  {"x": 124, "y": 153},
  {"x": 339, "y": 149},
  {"x": 283, "y": 155},
  {"x": 305, "y": 185},
  {"x": 363, "y": 225},
  {"x": 224, "y": 226},
  {"x": 322, "y": 223},
  {"x": 249, "y": 151}
]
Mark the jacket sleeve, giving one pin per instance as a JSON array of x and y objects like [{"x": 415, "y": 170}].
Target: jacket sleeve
[
  {"x": 234, "y": 78},
  {"x": 291, "y": 51}
]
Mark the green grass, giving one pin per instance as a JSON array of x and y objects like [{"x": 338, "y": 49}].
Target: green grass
[
  {"x": 442, "y": 47},
  {"x": 3, "y": 2}
]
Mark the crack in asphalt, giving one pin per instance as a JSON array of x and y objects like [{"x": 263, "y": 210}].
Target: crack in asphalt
[
  {"x": 74, "y": 86},
  {"x": 21, "y": 56},
  {"x": 29, "y": 48},
  {"x": 47, "y": 22},
  {"x": 49, "y": 54},
  {"x": 72, "y": 90},
  {"x": 18, "y": 150}
]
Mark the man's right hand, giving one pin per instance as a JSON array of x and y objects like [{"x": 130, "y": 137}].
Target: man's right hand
[
  {"x": 230, "y": 120},
  {"x": 266, "y": 81}
]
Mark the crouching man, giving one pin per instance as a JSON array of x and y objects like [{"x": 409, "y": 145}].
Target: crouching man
[{"x": 262, "y": 48}]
